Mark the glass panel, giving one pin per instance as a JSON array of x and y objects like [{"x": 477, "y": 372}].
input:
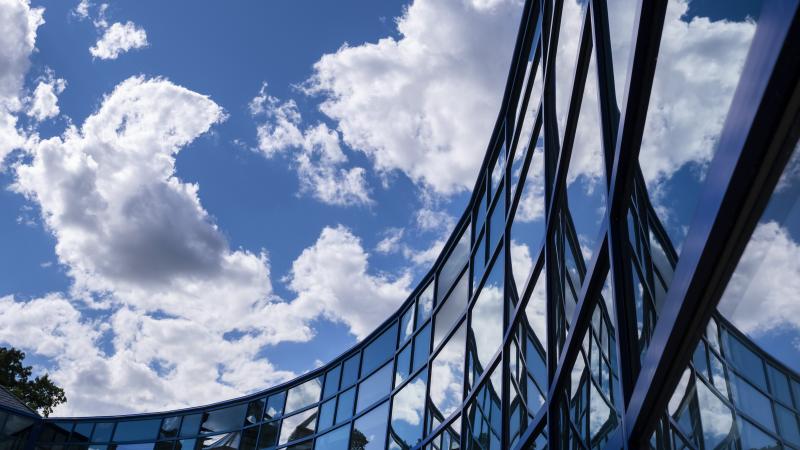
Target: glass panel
[
  {"x": 779, "y": 384},
  {"x": 335, "y": 440},
  {"x": 407, "y": 413},
  {"x": 375, "y": 387},
  {"x": 422, "y": 347},
  {"x": 190, "y": 425},
  {"x": 621, "y": 17},
  {"x": 572, "y": 16},
  {"x": 447, "y": 376},
  {"x": 268, "y": 436},
  {"x": 586, "y": 175},
  {"x": 753, "y": 438},
  {"x": 344, "y": 408},
  {"x": 138, "y": 430},
  {"x": 676, "y": 149},
  {"x": 403, "y": 368},
  {"x": 478, "y": 260},
  {"x": 301, "y": 446},
  {"x": 424, "y": 305},
  {"x": 298, "y": 426},
  {"x": 744, "y": 360},
  {"x": 274, "y": 405},
  {"x": 148, "y": 446},
  {"x": 303, "y": 395},
  {"x": 753, "y": 403},
  {"x": 484, "y": 417},
  {"x": 225, "y": 419},
  {"x": 369, "y": 430},
  {"x": 169, "y": 427},
  {"x": 332, "y": 381},
  {"x": 715, "y": 416},
  {"x": 407, "y": 324},
  {"x": 102, "y": 431},
  {"x": 350, "y": 370},
  {"x": 249, "y": 439},
  {"x": 486, "y": 330},
  {"x": 326, "y": 413},
  {"x": 82, "y": 431},
  {"x": 451, "y": 310},
  {"x": 526, "y": 131},
  {"x": 788, "y": 424},
  {"x": 497, "y": 223},
  {"x": 380, "y": 350},
  {"x": 255, "y": 412},
  {"x": 452, "y": 266}
]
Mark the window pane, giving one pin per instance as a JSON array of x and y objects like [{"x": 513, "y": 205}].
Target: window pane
[
  {"x": 190, "y": 425},
  {"x": 447, "y": 375},
  {"x": 275, "y": 405},
  {"x": 326, "y": 414},
  {"x": 753, "y": 438},
  {"x": 408, "y": 408},
  {"x": 225, "y": 419},
  {"x": 268, "y": 436},
  {"x": 169, "y": 427},
  {"x": 407, "y": 324},
  {"x": 255, "y": 412},
  {"x": 424, "y": 305},
  {"x": 753, "y": 403},
  {"x": 369, "y": 430},
  {"x": 380, "y": 350},
  {"x": 102, "y": 431},
  {"x": 137, "y": 430},
  {"x": 403, "y": 368},
  {"x": 344, "y": 408},
  {"x": 744, "y": 360},
  {"x": 298, "y": 426},
  {"x": 82, "y": 432},
  {"x": 332, "y": 381},
  {"x": 249, "y": 439},
  {"x": 486, "y": 331},
  {"x": 451, "y": 310},
  {"x": 334, "y": 440},
  {"x": 303, "y": 395},
  {"x": 375, "y": 387},
  {"x": 422, "y": 347},
  {"x": 788, "y": 424},
  {"x": 452, "y": 266},
  {"x": 350, "y": 370}
]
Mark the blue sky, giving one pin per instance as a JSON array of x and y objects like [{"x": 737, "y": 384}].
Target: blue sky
[{"x": 194, "y": 195}]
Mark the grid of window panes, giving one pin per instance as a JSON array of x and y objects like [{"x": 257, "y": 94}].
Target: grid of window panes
[{"x": 542, "y": 309}]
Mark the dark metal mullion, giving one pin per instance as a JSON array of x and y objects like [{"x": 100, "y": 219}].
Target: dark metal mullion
[
  {"x": 755, "y": 144},
  {"x": 648, "y": 25}
]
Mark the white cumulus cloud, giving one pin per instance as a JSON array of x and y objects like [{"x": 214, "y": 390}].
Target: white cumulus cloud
[
  {"x": 43, "y": 103},
  {"x": 119, "y": 38}
]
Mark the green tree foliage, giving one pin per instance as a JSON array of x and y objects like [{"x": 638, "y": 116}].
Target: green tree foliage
[{"x": 39, "y": 393}]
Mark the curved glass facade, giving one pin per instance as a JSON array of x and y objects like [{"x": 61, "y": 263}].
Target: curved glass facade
[{"x": 576, "y": 303}]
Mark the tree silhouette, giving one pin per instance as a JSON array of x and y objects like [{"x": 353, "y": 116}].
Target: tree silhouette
[{"x": 39, "y": 393}]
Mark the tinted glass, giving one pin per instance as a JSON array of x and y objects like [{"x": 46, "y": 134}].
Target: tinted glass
[
  {"x": 169, "y": 427},
  {"x": 332, "y": 381},
  {"x": 225, "y": 419},
  {"x": 380, "y": 350},
  {"x": 303, "y": 395},
  {"x": 137, "y": 430},
  {"x": 327, "y": 411},
  {"x": 249, "y": 440},
  {"x": 334, "y": 440},
  {"x": 102, "y": 432},
  {"x": 344, "y": 408},
  {"x": 82, "y": 431},
  {"x": 487, "y": 318},
  {"x": 422, "y": 347},
  {"x": 452, "y": 266},
  {"x": 447, "y": 375},
  {"x": 190, "y": 425},
  {"x": 275, "y": 405},
  {"x": 350, "y": 370},
  {"x": 255, "y": 412},
  {"x": 752, "y": 402},
  {"x": 298, "y": 426},
  {"x": 407, "y": 323},
  {"x": 407, "y": 413},
  {"x": 375, "y": 387},
  {"x": 369, "y": 430},
  {"x": 268, "y": 435},
  {"x": 403, "y": 365},
  {"x": 451, "y": 310},
  {"x": 424, "y": 305}
]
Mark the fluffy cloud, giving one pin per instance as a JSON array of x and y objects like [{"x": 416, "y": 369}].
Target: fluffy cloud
[
  {"x": 331, "y": 279},
  {"x": 162, "y": 312},
  {"x": 428, "y": 99},
  {"x": 43, "y": 104},
  {"x": 318, "y": 156},
  {"x": 117, "y": 39},
  {"x": 762, "y": 293},
  {"x": 18, "y": 25}
]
